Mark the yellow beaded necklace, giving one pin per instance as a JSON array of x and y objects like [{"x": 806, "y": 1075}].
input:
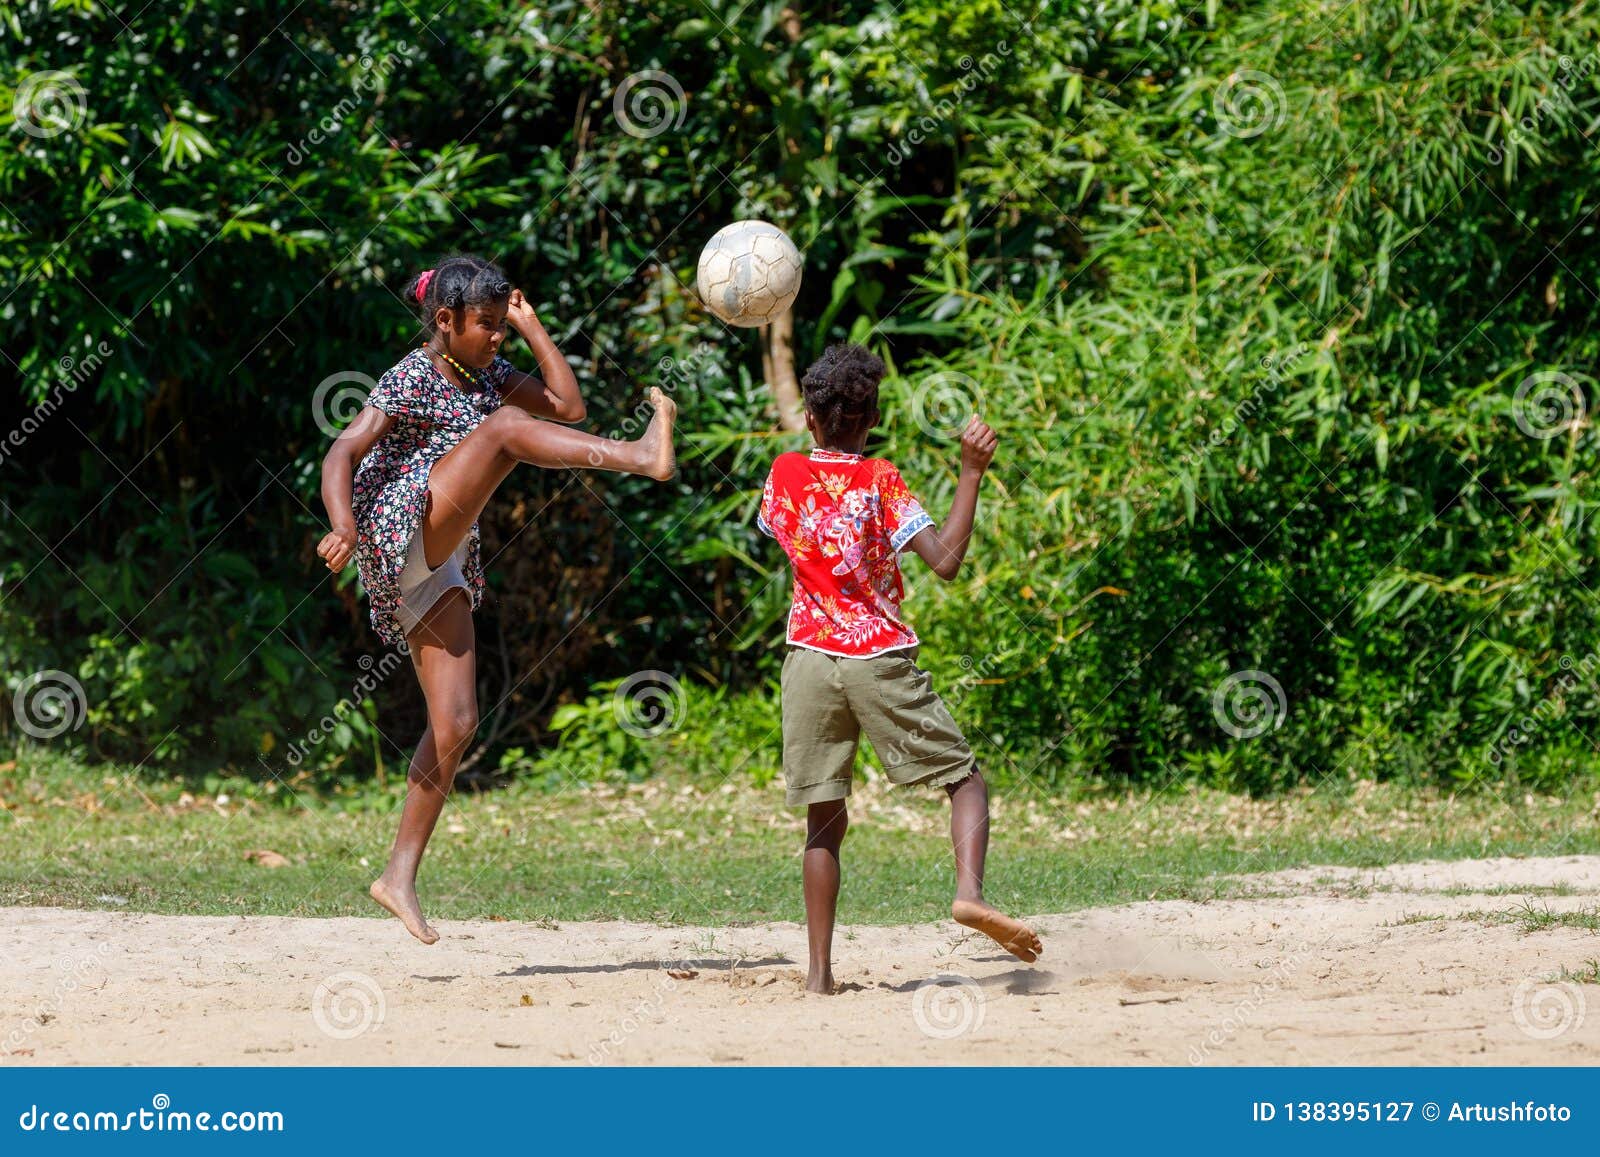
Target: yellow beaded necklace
[{"x": 466, "y": 375}]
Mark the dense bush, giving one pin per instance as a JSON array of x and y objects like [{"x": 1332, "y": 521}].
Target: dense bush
[{"x": 1276, "y": 309}]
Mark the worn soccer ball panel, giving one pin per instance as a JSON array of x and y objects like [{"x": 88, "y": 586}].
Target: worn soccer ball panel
[{"x": 749, "y": 273}]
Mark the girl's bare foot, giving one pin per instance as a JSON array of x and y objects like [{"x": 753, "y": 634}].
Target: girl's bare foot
[
  {"x": 656, "y": 445},
  {"x": 1012, "y": 935},
  {"x": 402, "y": 901}
]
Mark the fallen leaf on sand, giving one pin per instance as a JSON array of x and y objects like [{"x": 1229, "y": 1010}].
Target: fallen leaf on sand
[
  {"x": 266, "y": 858},
  {"x": 500, "y": 1044},
  {"x": 682, "y": 973},
  {"x": 527, "y": 1001}
]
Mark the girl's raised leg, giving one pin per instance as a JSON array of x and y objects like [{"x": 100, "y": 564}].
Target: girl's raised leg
[
  {"x": 462, "y": 482},
  {"x": 442, "y": 652}
]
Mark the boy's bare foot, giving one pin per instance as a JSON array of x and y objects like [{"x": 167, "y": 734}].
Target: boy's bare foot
[
  {"x": 1012, "y": 935},
  {"x": 656, "y": 444},
  {"x": 821, "y": 983},
  {"x": 402, "y": 901}
]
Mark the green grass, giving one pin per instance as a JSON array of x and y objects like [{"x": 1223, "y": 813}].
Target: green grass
[
  {"x": 1560, "y": 889},
  {"x": 1588, "y": 974},
  {"x": 1417, "y": 918},
  {"x": 699, "y": 852},
  {"x": 1530, "y": 919}
]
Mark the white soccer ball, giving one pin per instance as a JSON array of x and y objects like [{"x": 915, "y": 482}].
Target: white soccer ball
[{"x": 749, "y": 273}]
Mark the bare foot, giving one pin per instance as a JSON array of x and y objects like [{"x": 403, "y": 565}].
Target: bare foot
[
  {"x": 821, "y": 983},
  {"x": 403, "y": 903},
  {"x": 656, "y": 444},
  {"x": 1012, "y": 935}
]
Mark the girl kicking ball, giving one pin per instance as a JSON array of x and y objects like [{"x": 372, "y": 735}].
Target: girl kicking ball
[{"x": 404, "y": 485}]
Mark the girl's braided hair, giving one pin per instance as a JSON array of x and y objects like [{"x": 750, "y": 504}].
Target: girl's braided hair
[
  {"x": 457, "y": 281},
  {"x": 841, "y": 388}
]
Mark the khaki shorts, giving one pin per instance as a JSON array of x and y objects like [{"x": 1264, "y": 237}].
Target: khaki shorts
[{"x": 829, "y": 700}]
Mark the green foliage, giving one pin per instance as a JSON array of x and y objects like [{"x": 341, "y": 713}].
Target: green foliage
[
  {"x": 707, "y": 733},
  {"x": 1263, "y": 302}
]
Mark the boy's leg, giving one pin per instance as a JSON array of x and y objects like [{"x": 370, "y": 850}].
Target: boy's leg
[
  {"x": 919, "y": 743},
  {"x": 969, "y": 839},
  {"x": 826, "y": 824},
  {"x": 969, "y": 833},
  {"x": 819, "y": 753}
]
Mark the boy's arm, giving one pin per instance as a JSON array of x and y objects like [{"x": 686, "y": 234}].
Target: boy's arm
[
  {"x": 557, "y": 396},
  {"x": 338, "y": 546},
  {"x": 944, "y": 547}
]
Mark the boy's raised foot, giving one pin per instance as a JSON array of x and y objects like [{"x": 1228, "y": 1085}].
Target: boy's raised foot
[
  {"x": 1012, "y": 935},
  {"x": 403, "y": 903}
]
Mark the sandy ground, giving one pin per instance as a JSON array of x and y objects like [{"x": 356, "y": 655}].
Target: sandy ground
[{"x": 1333, "y": 975}]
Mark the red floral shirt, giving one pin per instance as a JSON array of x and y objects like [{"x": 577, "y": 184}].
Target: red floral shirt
[
  {"x": 390, "y": 486},
  {"x": 843, "y": 519}
]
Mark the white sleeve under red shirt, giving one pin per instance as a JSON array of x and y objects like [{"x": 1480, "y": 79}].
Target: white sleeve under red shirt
[{"x": 843, "y": 519}]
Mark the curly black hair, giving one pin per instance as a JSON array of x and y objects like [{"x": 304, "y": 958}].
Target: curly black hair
[
  {"x": 841, "y": 389},
  {"x": 458, "y": 280}
]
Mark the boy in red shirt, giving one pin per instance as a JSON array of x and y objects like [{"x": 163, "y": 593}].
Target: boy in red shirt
[{"x": 851, "y": 665}]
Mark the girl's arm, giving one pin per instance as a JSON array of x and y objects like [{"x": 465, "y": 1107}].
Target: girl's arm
[
  {"x": 338, "y": 546},
  {"x": 944, "y": 548},
  {"x": 557, "y": 396}
]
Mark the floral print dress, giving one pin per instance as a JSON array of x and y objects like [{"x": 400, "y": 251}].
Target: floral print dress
[{"x": 389, "y": 494}]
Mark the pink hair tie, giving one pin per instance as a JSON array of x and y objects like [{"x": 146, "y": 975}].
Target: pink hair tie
[{"x": 422, "y": 285}]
